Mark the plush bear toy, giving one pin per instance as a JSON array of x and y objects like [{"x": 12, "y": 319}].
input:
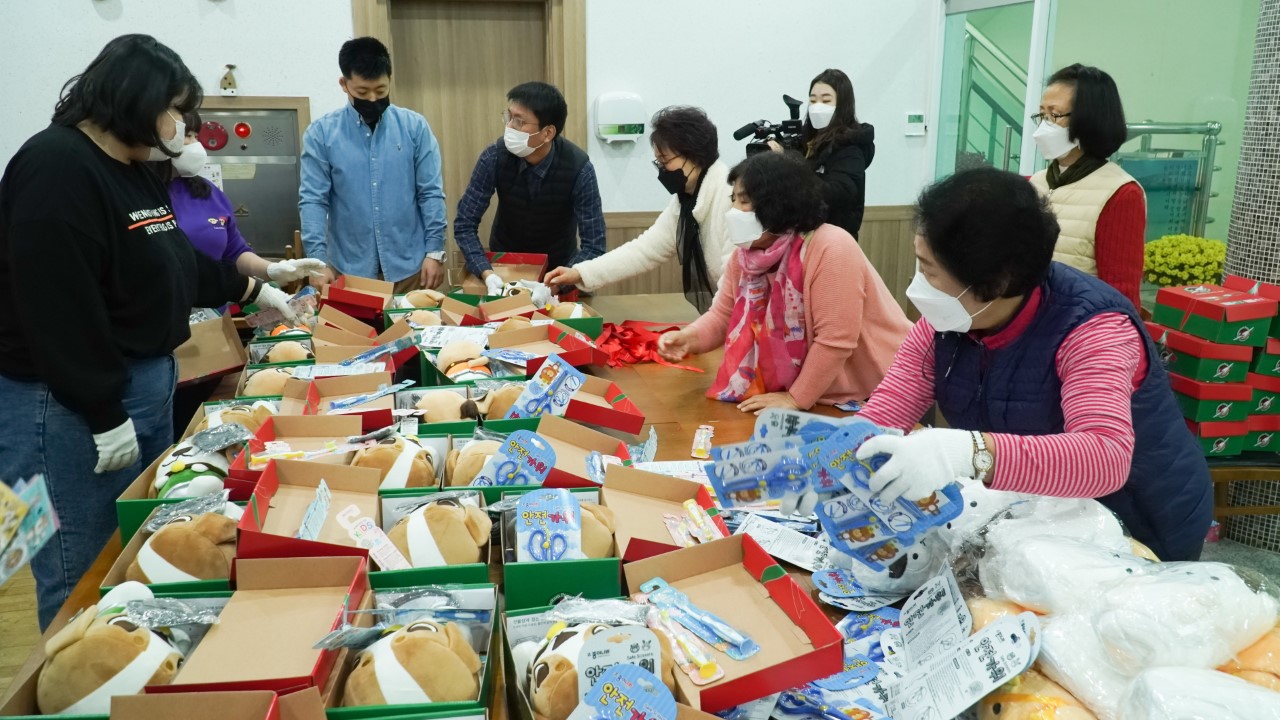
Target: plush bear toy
[
  {"x": 462, "y": 466},
  {"x": 288, "y": 351},
  {"x": 423, "y": 299},
  {"x": 101, "y": 653},
  {"x": 188, "y": 549},
  {"x": 496, "y": 403},
  {"x": 552, "y": 676},
  {"x": 442, "y": 533},
  {"x": 423, "y": 318},
  {"x": 1032, "y": 696},
  {"x": 446, "y": 406},
  {"x": 518, "y": 322},
  {"x": 463, "y": 361},
  {"x": 404, "y": 463},
  {"x": 986, "y": 611},
  {"x": 267, "y": 382},
  {"x": 188, "y": 472},
  {"x": 597, "y": 530},
  {"x": 288, "y": 331},
  {"x": 420, "y": 663},
  {"x": 250, "y": 416},
  {"x": 566, "y": 311},
  {"x": 1259, "y": 663}
]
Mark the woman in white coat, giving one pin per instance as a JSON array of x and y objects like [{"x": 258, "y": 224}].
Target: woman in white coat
[{"x": 692, "y": 227}]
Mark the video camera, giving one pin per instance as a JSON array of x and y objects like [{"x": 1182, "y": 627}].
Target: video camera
[{"x": 785, "y": 133}]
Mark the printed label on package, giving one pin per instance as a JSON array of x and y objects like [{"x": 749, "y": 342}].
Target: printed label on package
[
  {"x": 786, "y": 544},
  {"x": 932, "y": 624},
  {"x": 625, "y": 645},
  {"x": 627, "y": 692},
  {"x": 548, "y": 527},
  {"x": 524, "y": 458},
  {"x": 317, "y": 513},
  {"x": 810, "y": 428},
  {"x": 36, "y": 526},
  {"x": 548, "y": 391},
  {"x": 437, "y": 336},
  {"x": 757, "y": 478}
]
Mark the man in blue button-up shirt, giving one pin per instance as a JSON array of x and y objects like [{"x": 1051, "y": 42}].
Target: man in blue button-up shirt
[{"x": 372, "y": 196}]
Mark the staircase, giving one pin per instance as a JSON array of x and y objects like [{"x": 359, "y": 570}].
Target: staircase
[{"x": 991, "y": 98}]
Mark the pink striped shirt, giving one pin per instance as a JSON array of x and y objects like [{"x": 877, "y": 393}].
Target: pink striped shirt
[{"x": 1101, "y": 363}]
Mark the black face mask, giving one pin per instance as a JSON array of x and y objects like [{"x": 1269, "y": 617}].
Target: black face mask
[
  {"x": 371, "y": 110},
  {"x": 673, "y": 180}
]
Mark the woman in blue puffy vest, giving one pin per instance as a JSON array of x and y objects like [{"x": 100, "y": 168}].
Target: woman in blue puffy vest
[{"x": 1046, "y": 374}]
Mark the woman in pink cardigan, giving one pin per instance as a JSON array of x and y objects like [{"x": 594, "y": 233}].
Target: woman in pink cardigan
[{"x": 803, "y": 316}]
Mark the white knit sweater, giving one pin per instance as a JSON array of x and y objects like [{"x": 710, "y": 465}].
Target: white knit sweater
[{"x": 659, "y": 243}]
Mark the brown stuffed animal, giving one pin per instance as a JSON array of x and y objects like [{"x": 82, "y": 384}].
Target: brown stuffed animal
[
  {"x": 462, "y": 361},
  {"x": 985, "y": 610},
  {"x": 420, "y": 663},
  {"x": 423, "y": 318},
  {"x": 495, "y": 404},
  {"x": 1259, "y": 663},
  {"x": 267, "y": 382},
  {"x": 288, "y": 351},
  {"x": 442, "y": 533},
  {"x": 250, "y": 416},
  {"x": 101, "y": 653},
  {"x": 446, "y": 406},
  {"x": 1032, "y": 696},
  {"x": 187, "y": 549},
  {"x": 1142, "y": 551},
  {"x": 597, "y": 530},
  {"x": 566, "y": 311},
  {"x": 403, "y": 463},
  {"x": 462, "y": 466},
  {"x": 424, "y": 299},
  {"x": 553, "y": 672},
  {"x": 518, "y": 322}
]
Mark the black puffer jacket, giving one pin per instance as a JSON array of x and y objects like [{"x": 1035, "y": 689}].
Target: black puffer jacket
[{"x": 842, "y": 165}]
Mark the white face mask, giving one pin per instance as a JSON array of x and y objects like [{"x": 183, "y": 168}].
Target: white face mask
[
  {"x": 517, "y": 142},
  {"x": 820, "y": 115},
  {"x": 743, "y": 227},
  {"x": 173, "y": 144},
  {"x": 944, "y": 313},
  {"x": 1053, "y": 140},
  {"x": 192, "y": 159}
]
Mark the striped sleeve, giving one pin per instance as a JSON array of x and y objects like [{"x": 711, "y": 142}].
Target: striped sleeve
[
  {"x": 1097, "y": 364},
  {"x": 906, "y": 393}
]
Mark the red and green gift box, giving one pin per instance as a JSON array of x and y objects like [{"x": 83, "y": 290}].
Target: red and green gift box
[
  {"x": 1216, "y": 314},
  {"x": 1255, "y": 287},
  {"x": 1266, "y": 394},
  {"x": 1212, "y": 402},
  {"x": 1199, "y": 359},
  {"x": 1220, "y": 439},
  {"x": 1264, "y": 434},
  {"x": 1268, "y": 359}
]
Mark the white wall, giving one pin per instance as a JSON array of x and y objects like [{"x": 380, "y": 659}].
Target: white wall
[
  {"x": 280, "y": 47},
  {"x": 735, "y": 60}
]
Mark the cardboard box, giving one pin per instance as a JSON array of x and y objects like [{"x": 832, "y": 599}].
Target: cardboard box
[
  {"x": 293, "y": 402},
  {"x": 1266, "y": 394},
  {"x": 374, "y": 415},
  {"x": 546, "y": 340},
  {"x": 1268, "y": 361},
  {"x": 519, "y": 305},
  {"x": 1220, "y": 439},
  {"x": 333, "y": 317},
  {"x": 535, "y": 584},
  {"x": 511, "y": 266},
  {"x": 213, "y": 350},
  {"x": 1251, "y": 287},
  {"x": 136, "y": 503},
  {"x": 737, "y": 580},
  {"x": 280, "y": 502},
  {"x": 573, "y": 444},
  {"x": 362, "y": 298},
  {"x": 116, "y": 574},
  {"x": 639, "y": 500},
  {"x": 1216, "y": 314},
  {"x": 251, "y": 648},
  {"x": 1264, "y": 434},
  {"x": 330, "y": 335},
  {"x": 408, "y": 399},
  {"x": 458, "y": 313},
  {"x": 601, "y": 402},
  {"x": 243, "y": 705},
  {"x": 1210, "y": 402},
  {"x": 303, "y": 434},
  {"x": 1199, "y": 359},
  {"x": 590, "y": 324},
  {"x": 507, "y": 427}
]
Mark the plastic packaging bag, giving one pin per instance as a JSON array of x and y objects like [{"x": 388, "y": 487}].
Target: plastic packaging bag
[
  {"x": 1186, "y": 694},
  {"x": 1050, "y": 574}
]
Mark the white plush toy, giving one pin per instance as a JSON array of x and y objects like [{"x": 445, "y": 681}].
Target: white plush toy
[
  {"x": 1186, "y": 694},
  {"x": 981, "y": 506},
  {"x": 189, "y": 472},
  {"x": 921, "y": 562},
  {"x": 1050, "y": 574}
]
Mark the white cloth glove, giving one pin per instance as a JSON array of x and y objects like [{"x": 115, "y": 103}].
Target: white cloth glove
[
  {"x": 921, "y": 463},
  {"x": 541, "y": 294},
  {"x": 494, "y": 284},
  {"x": 117, "y": 448},
  {"x": 287, "y": 271},
  {"x": 272, "y": 297}
]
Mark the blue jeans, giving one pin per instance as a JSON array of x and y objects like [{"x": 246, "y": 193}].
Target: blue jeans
[{"x": 43, "y": 437}]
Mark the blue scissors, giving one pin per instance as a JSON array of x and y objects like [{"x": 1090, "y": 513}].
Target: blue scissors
[
  {"x": 506, "y": 473},
  {"x": 794, "y": 702},
  {"x": 543, "y": 547}
]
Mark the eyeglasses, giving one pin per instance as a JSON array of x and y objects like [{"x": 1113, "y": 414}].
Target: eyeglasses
[
  {"x": 507, "y": 118},
  {"x": 1055, "y": 117},
  {"x": 661, "y": 163}
]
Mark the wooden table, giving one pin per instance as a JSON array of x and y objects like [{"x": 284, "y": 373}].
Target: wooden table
[{"x": 674, "y": 402}]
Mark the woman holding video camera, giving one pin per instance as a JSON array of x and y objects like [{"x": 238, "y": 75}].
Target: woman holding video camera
[{"x": 837, "y": 147}]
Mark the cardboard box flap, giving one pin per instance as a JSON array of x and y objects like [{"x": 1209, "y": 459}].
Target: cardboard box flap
[
  {"x": 284, "y": 573},
  {"x": 241, "y": 705},
  {"x": 330, "y": 335},
  {"x": 456, "y": 312},
  {"x": 319, "y": 426},
  {"x": 337, "y": 353},
  {"x": 326, "y": 390},
  {"x": 1251, "y": 287},
  {"x": 640, "y": 482},
  {"x": 213, "y": 349},
  {"x": 1182, "y": 342},
  {"x": 1216, "y": 303},
  {"x": 303, "y": 705},
  {"x": 1265, "y": 383},
  {"x": 287, "y": 489},
  {"x": 508, "y": 307},
  {"x": 1272, "y": 347},
  {"x": 330, "y": 315},
  {"x": 1218, "y": 429},
  {"x": 1210, "y": 391},
  {"x": 1263, "y": 423}
]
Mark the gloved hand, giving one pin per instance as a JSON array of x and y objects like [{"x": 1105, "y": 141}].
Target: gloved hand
[
  {"x": 802, "y": 503},
  {"x": 272, "y": 297},
  {"x": 921, "y": 463},
  {"x": 541, "y": 293},
  {"x": 494, "y": 284},
  {"x": 287, "y": 271},
  {"x": 117, "y": 448}
]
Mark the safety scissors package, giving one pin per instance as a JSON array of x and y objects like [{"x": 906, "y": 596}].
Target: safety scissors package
[
  {"x": 808, "y": 427},
  {"x": 524, "y": 458},
  {"x": 758, "y": 478},
  {"x": 548, "y": 391},
  {"x": 548, "y": 526},
  {"x": 750, "y": 448}
]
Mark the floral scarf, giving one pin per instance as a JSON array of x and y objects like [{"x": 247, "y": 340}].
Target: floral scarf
[{"x": 765, "y": 345}]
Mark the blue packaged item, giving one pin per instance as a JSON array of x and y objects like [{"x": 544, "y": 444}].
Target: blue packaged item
[
  {"x": 838, "y": 583},
  {"x": 738, "y": 451},
  {"x": 808, "y": 427},
  {"x": 548, "y": 526},
  {"x": 709, "y": 627},
  {"x": 757, "y": 478},
  {"x": 865, "y": 628},
  {"x": 627, "y": 692},
  {"x": 809, "y": 701},
  {"x": 524, "y": 458}
]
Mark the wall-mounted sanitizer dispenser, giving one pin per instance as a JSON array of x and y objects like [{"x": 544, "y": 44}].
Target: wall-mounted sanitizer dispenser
[{"x": 620, "y": 117}]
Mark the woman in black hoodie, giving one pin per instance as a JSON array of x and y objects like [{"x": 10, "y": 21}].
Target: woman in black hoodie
[{"x": 838, "y": 147}]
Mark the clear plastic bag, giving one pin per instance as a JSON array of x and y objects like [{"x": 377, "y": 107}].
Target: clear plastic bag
[{"x": 1187, "y": 694}]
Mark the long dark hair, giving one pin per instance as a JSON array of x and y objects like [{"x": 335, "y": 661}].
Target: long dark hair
[
  {"x": 844, "y": 125},
  {"x": 198, "y": 187},
  {"x": 688, "y": 132},
  {"x": 133, "y": 81}
]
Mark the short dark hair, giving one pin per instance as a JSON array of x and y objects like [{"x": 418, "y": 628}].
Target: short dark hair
[
  {"x": 133, "y": 81},
  {"x": 366, "y": 57},
  {"x": 1097, "y": 115},
  {"x": 686, "y": 131},
  {"x": 544, "y": 101},
  {"x": 990, "y": 230},
  {"x": 844, "y": 124},
  {"x": 784, "y": 193}
]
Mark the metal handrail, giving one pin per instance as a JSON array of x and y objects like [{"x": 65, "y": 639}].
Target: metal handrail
[
  {"x": 1009, "y": 63},
  {"x": 1208, "y": 148}
]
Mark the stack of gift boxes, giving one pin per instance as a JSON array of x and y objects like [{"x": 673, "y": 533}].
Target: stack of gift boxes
[{"x": 1221, "y": 346}]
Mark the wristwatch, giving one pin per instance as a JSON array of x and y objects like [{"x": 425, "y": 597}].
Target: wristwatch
[
  {"x": 438, "y": 256},
  {"x": 982, "y": 458}
]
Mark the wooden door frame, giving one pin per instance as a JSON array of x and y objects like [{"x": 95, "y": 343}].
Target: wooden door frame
[{"x": 566, "y": 42}]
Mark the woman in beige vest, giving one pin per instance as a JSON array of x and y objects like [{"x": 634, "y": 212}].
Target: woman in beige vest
[{"x": 1101, "y": 210}]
